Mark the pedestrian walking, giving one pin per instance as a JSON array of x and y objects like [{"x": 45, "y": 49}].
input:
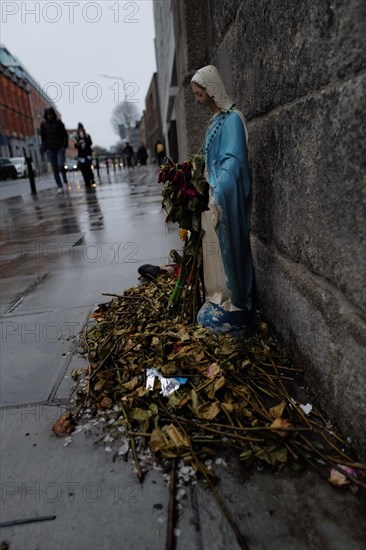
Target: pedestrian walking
[
  {"x": 227, "y": 263},
  {"x": 55, "y": 141},
  {"x": 142, "y": 154},
  {"x": 159, "y": 152},
  {"x": 128, "y": 154},
  {"x": 83, "y": 144}
]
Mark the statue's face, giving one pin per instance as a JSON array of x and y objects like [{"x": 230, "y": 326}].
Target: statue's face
[{"x": 200, "y": 95}]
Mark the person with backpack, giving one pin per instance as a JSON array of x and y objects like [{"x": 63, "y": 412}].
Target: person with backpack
[{"x": 83, "y": 144}]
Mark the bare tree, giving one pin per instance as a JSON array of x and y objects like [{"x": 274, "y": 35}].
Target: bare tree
[{"x": 125, "y": 113}]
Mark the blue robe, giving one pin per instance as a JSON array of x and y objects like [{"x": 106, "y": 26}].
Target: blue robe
[{"x": 229, "y": 180}]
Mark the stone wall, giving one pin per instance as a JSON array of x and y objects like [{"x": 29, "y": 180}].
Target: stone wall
[{"x": 298, "y": 72}]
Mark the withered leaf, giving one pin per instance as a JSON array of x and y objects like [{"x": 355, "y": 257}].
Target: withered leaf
[
  {"x": 64, "y": 425},
  {"x": 281, "y": 423},
  {"x": 208, "y": 411},
  {"x": 105, "y": 403},
  {"x": 215, "y": 386},
  {"x": 176, "y": 437},
  {"x": 99, "y": 385},
  {"x": 141, "y": 416},
  {"x": 228, "y": 407},
  {"x": 194, "y": 398},
  {"x": 183, "y": 333},
  {"x": 271, "y": 454},
  {"x": 76, "y": 373},
  {"x": 157, "y": 440},
  {"x": 276, "y": 412},
  {"x": 131, "y": 384},
  {"x": 213, "y": 370}
]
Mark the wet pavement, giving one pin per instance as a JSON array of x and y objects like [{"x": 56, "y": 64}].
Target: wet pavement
[{"x": 60, "y": 254}]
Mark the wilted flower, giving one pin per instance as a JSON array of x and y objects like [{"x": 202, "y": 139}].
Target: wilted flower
[
  {"x": 185, "y": 197},
  {"x": 187, "y": 191},
  {"x": 186, "y": 167},
  {"x": 337, "y": 478}
]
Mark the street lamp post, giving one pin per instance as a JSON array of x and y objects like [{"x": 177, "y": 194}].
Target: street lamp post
[
  {"x": 124, "y": 93},
  {"x": 117, "y": 78}
]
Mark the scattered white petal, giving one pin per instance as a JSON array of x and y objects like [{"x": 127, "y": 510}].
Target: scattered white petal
[
  {"x": 67, "y": 441},
  {"x": 306, "y": 408},
  {"x": 108, "y": 449},
  {"x": 180, "y": 493},
  {"x": 124, "y": 448},
  {"x": 177, "y": 532}
]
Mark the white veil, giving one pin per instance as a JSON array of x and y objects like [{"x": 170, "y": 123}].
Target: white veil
[{"x": 209, "y": 78}]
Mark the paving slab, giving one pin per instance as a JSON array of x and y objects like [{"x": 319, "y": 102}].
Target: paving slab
[
  {"x": 34, "y": 348},
  {"x": 98, "y": 503},
  {"x": 281, "y": 511},
  {"x": 9, "y": 296},
  {"x": 82, "y": 286}
]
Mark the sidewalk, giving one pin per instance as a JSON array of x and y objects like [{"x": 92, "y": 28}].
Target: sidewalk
[{"x": 59, "y": 254}]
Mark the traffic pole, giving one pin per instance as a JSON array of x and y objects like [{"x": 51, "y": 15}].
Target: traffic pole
[{"x": 31, "y": 175}]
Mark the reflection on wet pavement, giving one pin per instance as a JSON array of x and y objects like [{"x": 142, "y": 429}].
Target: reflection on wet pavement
[
  {"x": 81, "y": 210},
  {"x": 123, "y": 208}
]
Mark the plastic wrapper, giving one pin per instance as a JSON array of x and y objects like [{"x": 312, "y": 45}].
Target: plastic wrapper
[{"x": 168, "y": 385}]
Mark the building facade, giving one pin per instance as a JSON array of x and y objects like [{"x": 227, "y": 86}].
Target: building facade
[
  {"x": 167, "y": 73},
  {"x": 16, "y": 121},
  {"x": 153, "y": 127},
  {"x": 142, "y": 129},
  {"x": 22, "y": 104}
]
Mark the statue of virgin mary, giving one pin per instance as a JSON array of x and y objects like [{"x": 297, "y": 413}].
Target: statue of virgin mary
[{"x": 227, "y": 259}]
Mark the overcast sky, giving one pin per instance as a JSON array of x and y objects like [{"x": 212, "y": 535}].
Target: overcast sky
[{"x": 67, "y": 45}]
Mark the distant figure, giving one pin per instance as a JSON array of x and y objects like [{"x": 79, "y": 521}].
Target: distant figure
[
  {"x": 142, "y": 154},
  {"x": 128, "y": 154},
  {"x": 55, "y": 141},
  {"x": 159, "y": 152},
  {"x": 83, "y": 144}
]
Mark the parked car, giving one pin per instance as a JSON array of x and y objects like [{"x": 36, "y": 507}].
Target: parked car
[
  {"x": 71, "y": 165},
  {"x": 21, "y": 165},
  {"x": 7, "y": 169}
]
